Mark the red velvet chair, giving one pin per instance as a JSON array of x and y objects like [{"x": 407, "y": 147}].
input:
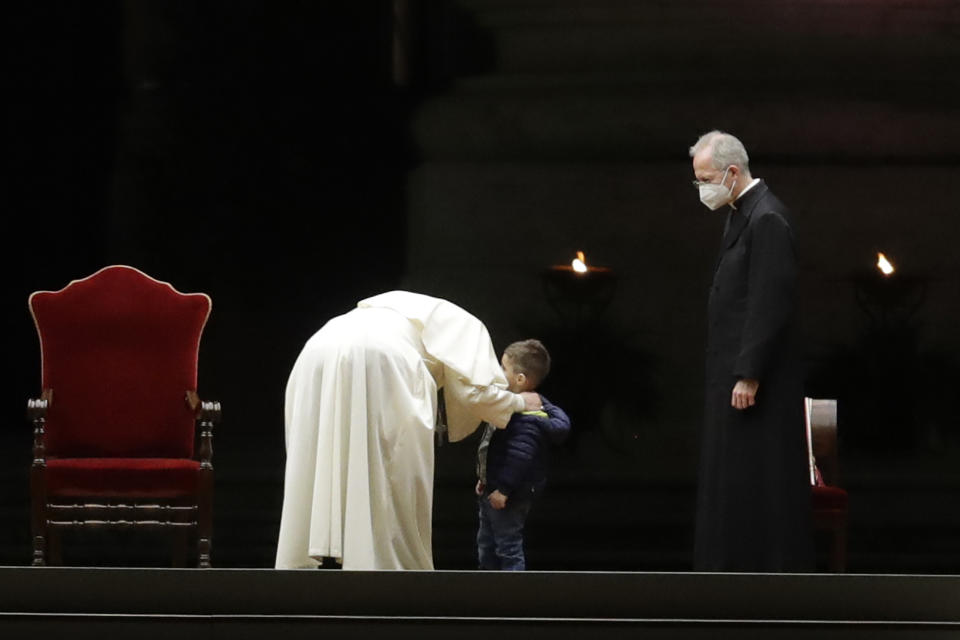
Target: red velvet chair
[
  {"x": 120, "y": 437},
  {"x": 830, "y": 502}
]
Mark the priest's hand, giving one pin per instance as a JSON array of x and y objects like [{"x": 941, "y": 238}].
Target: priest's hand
[
  {"x": 744, "y": 393},
  {"x": 497, "y": 500},
  {"x": 531, "y": 401}
]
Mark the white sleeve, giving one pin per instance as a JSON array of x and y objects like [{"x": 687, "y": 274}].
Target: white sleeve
[
  {"x": 495, "y": 405},
  {"x": 470, "y": 404}
]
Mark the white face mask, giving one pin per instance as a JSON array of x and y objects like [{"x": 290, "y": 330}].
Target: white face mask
[{"x": 714, "y": 196}]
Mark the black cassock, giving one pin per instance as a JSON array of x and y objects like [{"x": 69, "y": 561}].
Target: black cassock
[{"x": 753, "y": 507}]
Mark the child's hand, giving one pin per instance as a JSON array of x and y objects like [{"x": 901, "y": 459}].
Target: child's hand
[
  {"x": 479, "y": 489},
  {"x": 497, "y": 500}
]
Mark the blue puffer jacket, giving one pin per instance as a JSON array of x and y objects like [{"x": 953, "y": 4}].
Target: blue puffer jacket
[{"x": 517, "y": 454}]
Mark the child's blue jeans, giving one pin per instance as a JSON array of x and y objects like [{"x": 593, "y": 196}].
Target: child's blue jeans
[{"x": 500, "y": 536}]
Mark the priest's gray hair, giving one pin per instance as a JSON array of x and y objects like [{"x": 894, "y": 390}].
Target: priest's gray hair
[{"x": 727, "y": 150}]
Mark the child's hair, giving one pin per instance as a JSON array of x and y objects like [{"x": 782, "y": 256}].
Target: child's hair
[{"x": 530, "y": 358}]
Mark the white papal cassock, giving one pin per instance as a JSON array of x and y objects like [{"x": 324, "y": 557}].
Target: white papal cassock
[{"x": 361, "y": 405}]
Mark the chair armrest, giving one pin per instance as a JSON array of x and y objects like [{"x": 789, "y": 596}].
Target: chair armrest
[
  {"x": 37, "y": 409},
  {"x": 204, "y": 411}
]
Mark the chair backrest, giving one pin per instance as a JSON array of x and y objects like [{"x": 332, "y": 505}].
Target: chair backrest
[
  {"x": 119, "y": 352},
  {"x": 822, "y": 437}
]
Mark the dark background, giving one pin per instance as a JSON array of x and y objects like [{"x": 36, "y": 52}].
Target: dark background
[{"x": 290, "y": 158}]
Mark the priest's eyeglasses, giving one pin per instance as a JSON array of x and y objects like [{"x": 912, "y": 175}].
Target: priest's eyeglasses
[
  {"x": 700, "y": 183},
  {"x": 722, "y": 178}
]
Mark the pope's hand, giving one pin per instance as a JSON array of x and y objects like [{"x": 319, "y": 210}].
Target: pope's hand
[
  {"x": 531, "y": 401},
  {"x": 744, "y": 394}
]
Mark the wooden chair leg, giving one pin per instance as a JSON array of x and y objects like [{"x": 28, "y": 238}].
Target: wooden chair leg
[
  {"x": 205, "y": 518},
  {"x": 38, "y": 511},
  {"x": 39, "y": 551},
  {"x": 203, "y": 550}
]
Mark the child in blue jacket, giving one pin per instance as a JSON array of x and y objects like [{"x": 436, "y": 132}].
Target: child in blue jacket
[{"x": 511, "y": 462}]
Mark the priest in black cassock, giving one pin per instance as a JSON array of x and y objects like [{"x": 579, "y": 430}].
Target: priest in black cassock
[{"x": 753, "y": 503}]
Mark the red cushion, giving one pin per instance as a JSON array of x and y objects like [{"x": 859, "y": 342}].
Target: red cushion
[
  {"x": 122, "y": 477},
  {"x": 119, "y": 350},
  {"x": 827, "y": 497}
]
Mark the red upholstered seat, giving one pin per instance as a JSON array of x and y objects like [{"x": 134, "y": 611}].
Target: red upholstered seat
[
  {"x": 118, "y": 420},
  {"x": 123, "y": 477}
]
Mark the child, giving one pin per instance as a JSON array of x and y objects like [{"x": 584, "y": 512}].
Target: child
[{"x": 511, "y": 462}]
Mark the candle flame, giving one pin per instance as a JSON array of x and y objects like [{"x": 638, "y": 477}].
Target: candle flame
[
  {"x": 579, "y": 263},
  {"x": 884, "y": 265}
]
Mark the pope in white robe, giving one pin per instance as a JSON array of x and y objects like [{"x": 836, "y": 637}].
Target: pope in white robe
[{"x": 360, "y": 413}]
